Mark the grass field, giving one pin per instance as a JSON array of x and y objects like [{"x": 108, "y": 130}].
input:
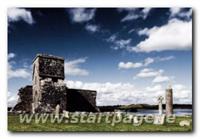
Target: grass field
[{"x": 15, "y": 126}]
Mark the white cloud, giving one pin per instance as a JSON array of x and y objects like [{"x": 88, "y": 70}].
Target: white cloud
[
  {"x": 110, "y": 93},
  {"x": 160, "y": 78},
  {"x": 135, "y": 13},
  {"x": 120, "y": 44},
  {"x": 80, "y": 15},
  {"x": 126, "y": 93},
  {"x": 156, "y": 74},
  {"x": 145, "y": 12},
  {"x": 11, "y": 55},
  {"x": 174, "y": 11},
  {"x": 72, "y": 67},
  {"x": 17, "y": 72},
  {"x": 144, "y": 63},
  {"x": 143, "y": 31},
  {"x": 178, "y": 87},
  {"x": 130, "y": 16},
  {"x": 148, "y": 61},
  {"x": 17, "y": 14},
  {"x": 130, "y": 31},
  {"x": 112, "y": 38},
  {"x": 187, "y": 14},
  {"x": 179, "y": 12},
  {"x": 12, "y": 99},
  {"x": 129, "y": 65},
  {"x": 92, "y": 28},
  {"x": 182, "y": 94},
  {"x": 175, "y": 35},
  {"x": 155, "y": 88},
  {"x": 165, "y": 58},
  {"x": 146, "y": 73}
]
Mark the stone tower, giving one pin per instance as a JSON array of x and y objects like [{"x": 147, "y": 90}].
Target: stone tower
[
  {"x": 48, "y": 80},
  {"x": 49, "y": 91},
  {"x": 169, "y": 100}
]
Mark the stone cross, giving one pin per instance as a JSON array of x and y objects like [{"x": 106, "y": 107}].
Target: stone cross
[{"x": 160, "y": 109}]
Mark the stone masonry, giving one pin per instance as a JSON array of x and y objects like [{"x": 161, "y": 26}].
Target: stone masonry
[
  {"x": 49, "y": 90},
  {"x": 169, "y": 101}
]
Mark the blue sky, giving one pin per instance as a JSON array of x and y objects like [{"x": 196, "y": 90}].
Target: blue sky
[{"x": 128, "y": 55}]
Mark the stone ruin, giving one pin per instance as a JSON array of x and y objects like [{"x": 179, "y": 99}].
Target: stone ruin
[
  {"x": 25, "y": 97},
  {"x": 169, "y": 100},
  {"x": 49, "y": 90}
]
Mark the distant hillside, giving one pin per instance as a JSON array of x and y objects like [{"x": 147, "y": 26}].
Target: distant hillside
[{"x": 135, "y": 107}]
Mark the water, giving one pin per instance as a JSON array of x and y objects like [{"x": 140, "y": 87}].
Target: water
[{"x": 178, "y": 112}]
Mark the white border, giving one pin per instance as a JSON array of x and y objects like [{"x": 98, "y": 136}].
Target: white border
[{"x": 93, "y": 3}]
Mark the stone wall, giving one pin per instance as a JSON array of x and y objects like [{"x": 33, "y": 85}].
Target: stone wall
[
  {"x": 81, "y": 100},
  {"x": 53, "y": 93},
  {"x": 57, "y": 93}
]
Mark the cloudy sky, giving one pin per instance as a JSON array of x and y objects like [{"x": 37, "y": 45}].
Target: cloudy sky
[{"x": 128, "y": 55}]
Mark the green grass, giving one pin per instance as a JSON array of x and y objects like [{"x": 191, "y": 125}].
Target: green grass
[{"x": 15, "y": 125}]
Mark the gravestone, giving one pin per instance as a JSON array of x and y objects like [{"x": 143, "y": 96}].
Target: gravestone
[{"x": 57, "y": 110}]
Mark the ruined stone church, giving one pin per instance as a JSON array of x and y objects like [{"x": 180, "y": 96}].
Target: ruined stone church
[{"x": 48, "y": 90}]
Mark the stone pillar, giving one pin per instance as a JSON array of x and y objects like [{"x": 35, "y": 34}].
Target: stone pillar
[
  {"x": 169, "y": 101},
  {"x": 160, "y": 109},
  {"x": 57, "y": 111}
]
